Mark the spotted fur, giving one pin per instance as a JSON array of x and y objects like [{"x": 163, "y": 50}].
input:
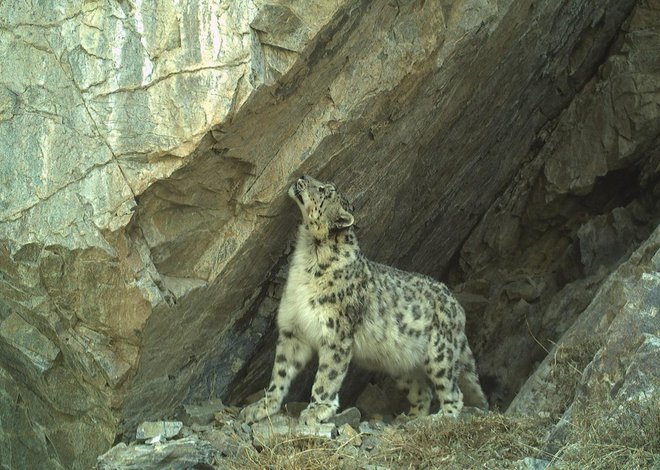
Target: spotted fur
[{"x": 345, "y": 307}]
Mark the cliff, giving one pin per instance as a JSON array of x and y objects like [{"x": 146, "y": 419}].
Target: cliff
[{"x": 510, "y": 149}]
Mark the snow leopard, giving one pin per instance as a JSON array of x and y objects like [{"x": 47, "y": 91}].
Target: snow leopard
[{"x": 344, "y": 307}]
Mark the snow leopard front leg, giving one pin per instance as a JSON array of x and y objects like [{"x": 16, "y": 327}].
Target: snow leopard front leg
[
  {"x": 334, "y": 357},
  {"x": 291, "y": 355}
]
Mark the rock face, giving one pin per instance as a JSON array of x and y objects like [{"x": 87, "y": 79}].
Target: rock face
[
  {"x": 511, "y": 148},
  {"x": 573, "y": 213},
  {"x": 606, "y": 369}
]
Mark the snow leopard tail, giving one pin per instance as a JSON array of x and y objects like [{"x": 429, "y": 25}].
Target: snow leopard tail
[{"x": 468, "y": 381}]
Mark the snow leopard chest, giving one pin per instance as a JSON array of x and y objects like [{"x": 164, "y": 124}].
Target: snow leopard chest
[{"x": 305, "y": 307}]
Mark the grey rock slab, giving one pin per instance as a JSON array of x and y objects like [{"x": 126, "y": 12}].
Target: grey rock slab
[
  {"x": 264, "y": 431},
  {"x": 151, "y": 429},
  {"x": 351, "y": 416},
  {"x": 181, "y": 454},
  {"x": 203, "y": 413}
]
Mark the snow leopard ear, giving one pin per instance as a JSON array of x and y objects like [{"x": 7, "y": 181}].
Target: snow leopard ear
[{"x": 343, "y": 220}]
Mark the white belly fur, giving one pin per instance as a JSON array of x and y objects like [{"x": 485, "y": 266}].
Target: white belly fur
[{"x": 377, "y": 344}]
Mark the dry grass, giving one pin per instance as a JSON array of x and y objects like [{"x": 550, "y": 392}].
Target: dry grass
[
  {"x": 295, "y": 453},
  {"x": 603, "y": 435},
  {"x": 487, "y": 441},
  {"x": 606, "y": 436},
  {"x": 600, "y": 438},
  {"x": 569, "y": 364}
]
